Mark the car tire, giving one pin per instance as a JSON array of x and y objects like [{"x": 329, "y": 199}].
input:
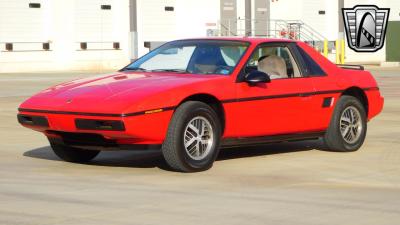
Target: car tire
[
  {"x": 193, "y": 137},
  {"x": 71, "y": 154},
  {"x": 348, "y": 126}
]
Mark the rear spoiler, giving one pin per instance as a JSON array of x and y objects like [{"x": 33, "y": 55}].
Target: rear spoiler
[{"x": 350, "y": 67}]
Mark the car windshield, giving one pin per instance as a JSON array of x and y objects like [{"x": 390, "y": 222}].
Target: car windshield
[{"x": 192, "y": 56}]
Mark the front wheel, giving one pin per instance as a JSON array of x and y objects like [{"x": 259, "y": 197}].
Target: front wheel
[
  {"x": 348, "y": 126},
  {"x": 71, "y": 154},
  {"x": 193, "y": 137}
]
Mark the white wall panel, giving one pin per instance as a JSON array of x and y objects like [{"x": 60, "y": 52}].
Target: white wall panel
[
  {"x": 92, "y": 24},
  {"x": 156, "y": 23},
  {"x": 65, "y": 23},
  {"x": 19, "y": 23},
  {"x": 193, "y": 17},
  {"x": 190, "y": 18}
]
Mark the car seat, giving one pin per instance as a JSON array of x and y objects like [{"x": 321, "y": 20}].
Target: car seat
[
  {"x": 273, "y": 65},
  {"x": 206, "y": 59}
]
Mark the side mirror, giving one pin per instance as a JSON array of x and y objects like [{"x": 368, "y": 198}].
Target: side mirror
[{"x": 256, "y": 76}]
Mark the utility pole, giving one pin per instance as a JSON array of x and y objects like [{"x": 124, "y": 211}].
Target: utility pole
[
  {"x": 340, "y": 16},
  {"x": 248, "y": 18},
  {"x": 133, "y": 35}
]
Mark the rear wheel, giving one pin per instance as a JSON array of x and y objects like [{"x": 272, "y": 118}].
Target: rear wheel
[
  {"x": 71, "y": 154},
  {"x": 348, "y": 126},
  {"x": 193, "y": 137}
]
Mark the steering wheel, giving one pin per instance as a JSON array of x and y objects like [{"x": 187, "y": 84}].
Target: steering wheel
[{"x": 223, "y": 70}]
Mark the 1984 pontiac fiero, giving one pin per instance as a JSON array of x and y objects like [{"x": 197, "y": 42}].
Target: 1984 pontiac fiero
[{"x": 191, "y": 97}]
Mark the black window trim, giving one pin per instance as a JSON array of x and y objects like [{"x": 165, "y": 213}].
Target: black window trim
[
  {"x": 292, "y": 49},
  {"x": 304, "y": 64}
]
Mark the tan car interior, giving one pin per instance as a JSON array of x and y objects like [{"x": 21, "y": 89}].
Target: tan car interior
[
  {"x": 276, "y": 66},
  {"x": 273, "y": 65}
]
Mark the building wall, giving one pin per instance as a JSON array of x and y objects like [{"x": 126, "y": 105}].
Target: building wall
[
  {"x": 327, "y": 24},
  {"x": 308, "y": 12},
  {"x": 190, "y": 18},
  {"x": 63, "y": 24},
  {"x": 66, "y": 23}
]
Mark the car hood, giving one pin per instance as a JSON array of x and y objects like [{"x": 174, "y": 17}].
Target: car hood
[{"x": 111, "y": 93}]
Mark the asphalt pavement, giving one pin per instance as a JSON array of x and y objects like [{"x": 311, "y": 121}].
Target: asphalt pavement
[{"x": 288, "y": 183}]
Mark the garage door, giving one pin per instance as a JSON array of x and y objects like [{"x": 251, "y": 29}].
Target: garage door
[
  {"x": 94, "y": 23},
  {"x": 29, "y": 23},
  {"x": 157, "y": 20}
]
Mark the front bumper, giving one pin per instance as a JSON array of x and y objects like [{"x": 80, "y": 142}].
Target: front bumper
[
  {"x": 146, "y": 129},
  {"x": 80, "y": 124},
  {"x": 91, "y": 141}
]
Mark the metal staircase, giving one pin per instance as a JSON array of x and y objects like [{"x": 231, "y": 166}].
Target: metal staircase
[{"x": 290, "y": 29}]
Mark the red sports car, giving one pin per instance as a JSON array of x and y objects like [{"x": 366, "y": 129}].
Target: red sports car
[{"x": 191, "y": 97}]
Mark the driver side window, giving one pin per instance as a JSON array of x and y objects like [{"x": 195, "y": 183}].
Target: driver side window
[{"x": 277, "y": 62}]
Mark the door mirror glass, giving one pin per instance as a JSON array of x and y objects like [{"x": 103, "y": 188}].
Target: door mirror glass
[{"x": 257, "y": 76}]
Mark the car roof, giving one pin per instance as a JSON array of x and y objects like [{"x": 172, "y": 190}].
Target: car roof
[{"x": 255, "y": 40}]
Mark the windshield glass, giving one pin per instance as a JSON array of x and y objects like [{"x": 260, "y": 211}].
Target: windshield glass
[{"x": 192, "y": 56}]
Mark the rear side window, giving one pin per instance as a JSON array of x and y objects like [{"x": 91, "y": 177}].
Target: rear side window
[{"x": 311, "y": 68}]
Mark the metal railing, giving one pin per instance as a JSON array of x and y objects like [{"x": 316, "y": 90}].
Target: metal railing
[
  {"x": 237, "y": 27},
  {"x": 289, "y": 29}
]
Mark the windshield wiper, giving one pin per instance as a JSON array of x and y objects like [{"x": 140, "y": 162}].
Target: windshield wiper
[
  {"x": 135, "y": 69},
  {"x": 170, "y": 70}
]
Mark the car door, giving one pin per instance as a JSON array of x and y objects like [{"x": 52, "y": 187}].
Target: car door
[
  {"x": 327, "y": 90},
  {"x": 279, "y": 107}
]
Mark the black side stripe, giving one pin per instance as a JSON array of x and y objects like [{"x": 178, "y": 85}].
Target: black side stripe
[
  {"x": 371, "y": 89},
  {"x": 92, "y": 114},
  {"x": 68, "y": 113},
  {"x": 304, "y": 94},
  {"x": 173, "y": 107}
]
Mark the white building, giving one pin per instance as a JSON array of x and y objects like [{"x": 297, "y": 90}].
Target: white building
[
  {"x": 37, "y": 35},
  {"x": 324, "y": 17}
]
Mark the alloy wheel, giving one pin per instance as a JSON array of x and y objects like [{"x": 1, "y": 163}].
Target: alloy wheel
[
  {"x": 351, "y": 124},
  {"x": 198, "y": 138}
]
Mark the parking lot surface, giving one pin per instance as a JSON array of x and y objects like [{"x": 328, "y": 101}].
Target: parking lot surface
[{"x": 287, "y": 183}]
